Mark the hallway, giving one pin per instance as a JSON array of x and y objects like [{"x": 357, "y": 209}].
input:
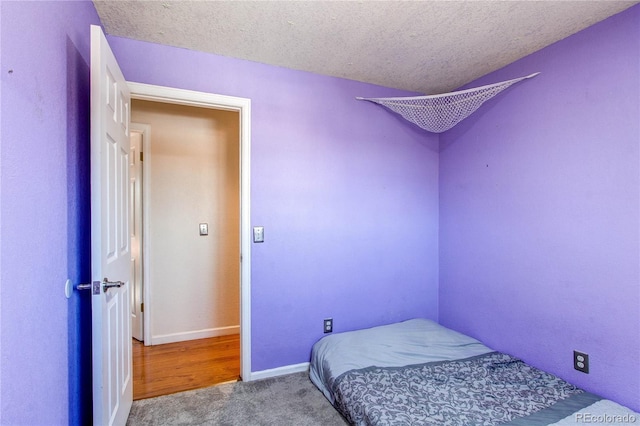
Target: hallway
[{"x": 177, "y": 367}]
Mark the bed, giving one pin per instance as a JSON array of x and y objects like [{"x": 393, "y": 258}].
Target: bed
[{"x": 418, "y": 372}]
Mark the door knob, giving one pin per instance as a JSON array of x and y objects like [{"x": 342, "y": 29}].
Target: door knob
[{"x": 106, "y": 284}]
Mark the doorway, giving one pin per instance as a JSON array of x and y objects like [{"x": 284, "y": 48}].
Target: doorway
[
  {"x": 137, "y": 134},
  {"x": 192, "y": 248},
  {"x": 229, "y": 309}
]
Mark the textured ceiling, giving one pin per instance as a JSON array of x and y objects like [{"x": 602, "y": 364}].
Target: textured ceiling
[{"x": 423, "y": 46}]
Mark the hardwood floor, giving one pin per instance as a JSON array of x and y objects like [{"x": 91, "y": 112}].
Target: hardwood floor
[{"x": 176, "y": 367}]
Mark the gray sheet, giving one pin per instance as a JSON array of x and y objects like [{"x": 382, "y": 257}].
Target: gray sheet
[
  {"x": 489, "y": 389},
  {"x": 558, "y": 411},
  {"x": 411, "y": 342}
]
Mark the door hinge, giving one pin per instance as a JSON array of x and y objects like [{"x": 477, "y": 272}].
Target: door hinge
[
  {"x": 142, "y": 307},
  {"x": 141, "y": 156}
]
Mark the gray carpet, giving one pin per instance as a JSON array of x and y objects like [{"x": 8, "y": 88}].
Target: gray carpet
[{"x": 283, "y": 400}]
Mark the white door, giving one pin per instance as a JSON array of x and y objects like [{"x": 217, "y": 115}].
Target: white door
[
  {"x": 110, "y": 237},
  {"x": 135, "y": 222}
]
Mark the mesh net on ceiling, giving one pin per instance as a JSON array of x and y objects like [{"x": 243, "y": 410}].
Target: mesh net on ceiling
[{"x": 437, "y": 113}]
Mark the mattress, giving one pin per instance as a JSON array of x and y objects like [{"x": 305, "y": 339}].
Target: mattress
[
  {"x": 419, "y": 372},
  {"x": 415, "y": 341}
]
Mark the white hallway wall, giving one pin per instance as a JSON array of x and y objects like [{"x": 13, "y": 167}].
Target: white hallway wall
[{"x": 194, "y": 178}]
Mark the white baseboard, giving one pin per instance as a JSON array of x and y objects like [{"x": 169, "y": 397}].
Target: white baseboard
[
  {"x": 193, "y": 335},
  {"x": 280, "y": 371}
]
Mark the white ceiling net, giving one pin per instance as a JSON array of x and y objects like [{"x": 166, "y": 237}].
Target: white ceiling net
[{"x": 437, "y": 113}]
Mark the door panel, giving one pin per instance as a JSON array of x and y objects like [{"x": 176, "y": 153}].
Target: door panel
[{"x": 110, "y": 241}]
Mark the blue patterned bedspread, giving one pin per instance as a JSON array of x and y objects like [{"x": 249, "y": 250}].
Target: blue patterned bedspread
[{"x": 488, "y": 389}]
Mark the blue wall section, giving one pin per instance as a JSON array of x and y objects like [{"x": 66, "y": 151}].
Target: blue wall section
[
  {"x": 79, "y": 234},
  {"x": 44, "y": 212}
]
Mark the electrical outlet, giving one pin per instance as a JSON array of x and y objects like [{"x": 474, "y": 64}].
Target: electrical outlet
[
  {"x": 328, "y": 325},
  {"x": 581, "y": 361}
]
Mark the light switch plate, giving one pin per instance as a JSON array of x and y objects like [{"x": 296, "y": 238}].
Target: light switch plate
[
  {"x": 204, "y": 229},
  {"x": 258, "y": 234}
]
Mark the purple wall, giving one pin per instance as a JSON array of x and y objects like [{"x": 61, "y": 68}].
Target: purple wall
[
  {"x": 539, "y": 206},
  {"x": 539, "y": 211},
  {"x": 44, "y": 189},
  {"x": 347, "y": 194}
]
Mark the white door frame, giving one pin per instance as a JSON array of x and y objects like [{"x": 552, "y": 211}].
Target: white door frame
[{"x": 170, "y": 95}]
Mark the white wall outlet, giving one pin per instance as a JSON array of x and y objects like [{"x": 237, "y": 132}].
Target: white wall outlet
[
  {"x": 581, "y": 361},
  {"x": 328, "y": 325},
  {"x": 204, "y": 229}
]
